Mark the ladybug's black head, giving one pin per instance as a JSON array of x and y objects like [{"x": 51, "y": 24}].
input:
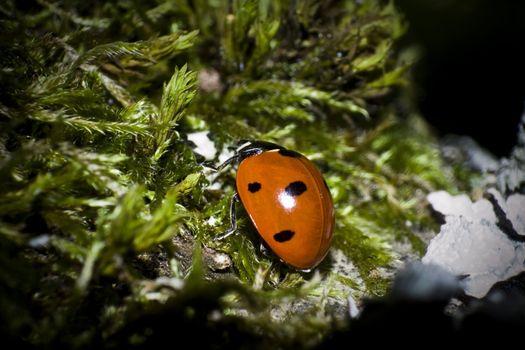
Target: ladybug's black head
[{"x": 248, "y": 148}]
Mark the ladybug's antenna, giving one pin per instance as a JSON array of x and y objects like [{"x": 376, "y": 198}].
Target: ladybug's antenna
[
  {"x": 245, "y": 149},
  {"x": 228, "y": 162},
  {"x": 209, "y": 165},
  {"x": 238, "y": 155}
]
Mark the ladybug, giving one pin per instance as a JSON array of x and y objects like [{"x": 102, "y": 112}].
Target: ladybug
[{"x": 287, "y": 200}]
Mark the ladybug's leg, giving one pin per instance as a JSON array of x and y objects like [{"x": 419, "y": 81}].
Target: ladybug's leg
[
  {"x": 263, "y": 248},
  {"x": 233, "y": 219}
]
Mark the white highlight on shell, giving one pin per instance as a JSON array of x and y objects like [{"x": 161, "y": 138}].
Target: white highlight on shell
[{"x": 287, "y": 201}]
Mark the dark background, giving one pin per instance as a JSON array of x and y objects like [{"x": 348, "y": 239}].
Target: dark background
[{"x": 471, "y": 78}]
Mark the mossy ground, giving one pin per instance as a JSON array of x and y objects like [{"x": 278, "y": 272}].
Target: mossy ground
[{"x": 107, "y": 215}]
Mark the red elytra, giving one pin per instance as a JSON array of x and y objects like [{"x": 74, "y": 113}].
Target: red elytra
[{"x": 287, "y": 200}]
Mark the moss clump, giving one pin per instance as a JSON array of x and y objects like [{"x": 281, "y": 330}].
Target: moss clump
[{"x": 107, "y": 218}]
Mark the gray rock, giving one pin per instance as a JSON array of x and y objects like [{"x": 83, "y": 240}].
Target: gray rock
[{"x": 474, "y": 243}]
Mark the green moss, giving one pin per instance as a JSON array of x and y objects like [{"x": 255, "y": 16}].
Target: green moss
[{"x": 366, "y": 253}]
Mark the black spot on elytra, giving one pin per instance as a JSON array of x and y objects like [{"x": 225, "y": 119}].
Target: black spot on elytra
[
  {"x": 254, "y": 187},
  {"x": 295, "y": 188},
  {"x": 283, "y": 236},
  {"x": 287, "y": 153}
]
